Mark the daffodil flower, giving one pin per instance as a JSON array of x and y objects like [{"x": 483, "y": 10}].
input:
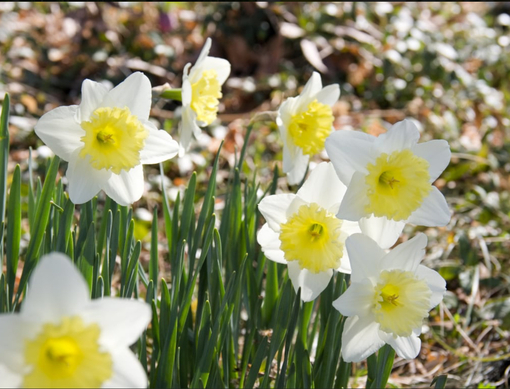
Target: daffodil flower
[
  {"x": 388, "y": 299},
  {"x": 106, "y": 139},
  {"x": 62, "y": 339},
  {"x": 305, "y": 122},
  {"x": 390, "y": 176},
  {"x": 303, "y": 232},
  {"x": 201, "y": 91}
]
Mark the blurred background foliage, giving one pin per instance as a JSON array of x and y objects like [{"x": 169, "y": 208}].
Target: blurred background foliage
[{"x": 443, "y": 64}]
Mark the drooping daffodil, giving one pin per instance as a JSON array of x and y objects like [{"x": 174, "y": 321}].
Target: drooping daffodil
[
  {"x": 388, "y": 299},
  {"x": 390, "y": 176},
  {"x": 304, "y": 123},
  {"x": 62, "y": 339},
  {"x": 303, "y": 232},
  {"x": 201, "y": 91},
  {"x": 106, "y": 140}
]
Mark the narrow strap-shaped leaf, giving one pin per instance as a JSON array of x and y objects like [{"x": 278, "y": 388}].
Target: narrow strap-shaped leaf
[
  {"x": 153, "y": 259},
  {"x": 66, "y": 219},
  {"x": 385, "y": 358},
  {"x": 42, "y": 214},
  {"x": 282, "y": 373},
  {"x": 271, "y": 292},
  {"x": 13, "y": 237},
  {"x": 4, "y": 154},
  {"x": 106, "y": 273},
  {"x": 132, "y": 271},
  {"x": 4, "y": 159},
  {"x": 440, "y": 381}
]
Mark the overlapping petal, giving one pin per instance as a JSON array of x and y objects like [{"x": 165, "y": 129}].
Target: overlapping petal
[
  {"x": 135, "y": 93},
  {"x": 127, "y": 187},
  {"x": 360, "y": 339},
  {"x": 350, "y": 152},
  {"x": 323, "y": 187},
  {"x": 403, "y": 135},
  {"x": 92, "y": 95},
  {"x": 60, "y": 131},
  {"x": 381, "y": 229},
  {"x": 434, "y": 212},
  {"x": 159, "y": 146},
  {"x": 136, "y": 313},
  {"x": 311, "y": 284},
  {"x": 270, "y": 243}
]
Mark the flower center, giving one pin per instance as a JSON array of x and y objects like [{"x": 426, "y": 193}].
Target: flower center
[
  {"x": 397, "y": 184},
  {"x": 113, "y": 139},
  {"x": 401, "y": 302},
  {"x": 309, "y": 129},
  {"x": 67, "y": 355},
  {"x": 204, "y": 96},
  {"x": 310, "y": 236}
]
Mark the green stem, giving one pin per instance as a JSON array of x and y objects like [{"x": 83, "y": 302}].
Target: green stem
[{"x": 172, "y": 94}]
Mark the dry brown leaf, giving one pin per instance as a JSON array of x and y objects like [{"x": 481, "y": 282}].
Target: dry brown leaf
[{"x": 311, "y": 53}]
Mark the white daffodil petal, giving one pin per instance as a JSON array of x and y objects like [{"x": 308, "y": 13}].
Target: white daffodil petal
[
  {"x": 289, "y": 155},
  {"x": 357, "y": 300},
  {"x": 350, "y": 151},
  {"x": 435, "y": 282},
  {"x": 127, "y": 371},
  {"x": 385, "y": 232},
  {"x": 57, "y": 306},
  {"x": 361, "y": 246},
  {"x": 84, "y": 181},
  {"x": 12, "y": 328},
  {"x": 294, "y": 206},
  {"x": 406, "y": 347},
  {"x": 298, "y": 171},
  {"x": 59, "y": 130},
  {"x": 345, "y": 263},
  {"x": 186, "y": 129},
  {"x": 402, "y": 135},
  {"x": 204, "y": 52},
  {"x": 437, "y": 153},
  {"x": 135, "y": 93},
  {"x": 121, "y": 320},
  {"x": 159, "y": 146},
  {"x": 92, "y": 95},
  {"x": 311, "y": 89},
  {"x": 9, "y": 379},
  {"x": 45, "y": 288},
  {"x": 311, "y": 284},
  {"x": 284, "y": 116},
  {"x": 355, "y": 199},
  {"x": 323, "y": 187},
  {"x": 390, "y": 294},
  {"x": 274, "y": 209},
  {"x": 269, "y": 241},
  {"x": 406, "y": 256},
  {"x": 127, "y": 187},
  {"x": 434, "y": 211},
  {"x": 186, "y": 93},
  {"x": 219, "y": 65},
  {"x": 360, "y": 339},
  {"x": 349, "y": 227},
  {"x": 329, "y": 94}
]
